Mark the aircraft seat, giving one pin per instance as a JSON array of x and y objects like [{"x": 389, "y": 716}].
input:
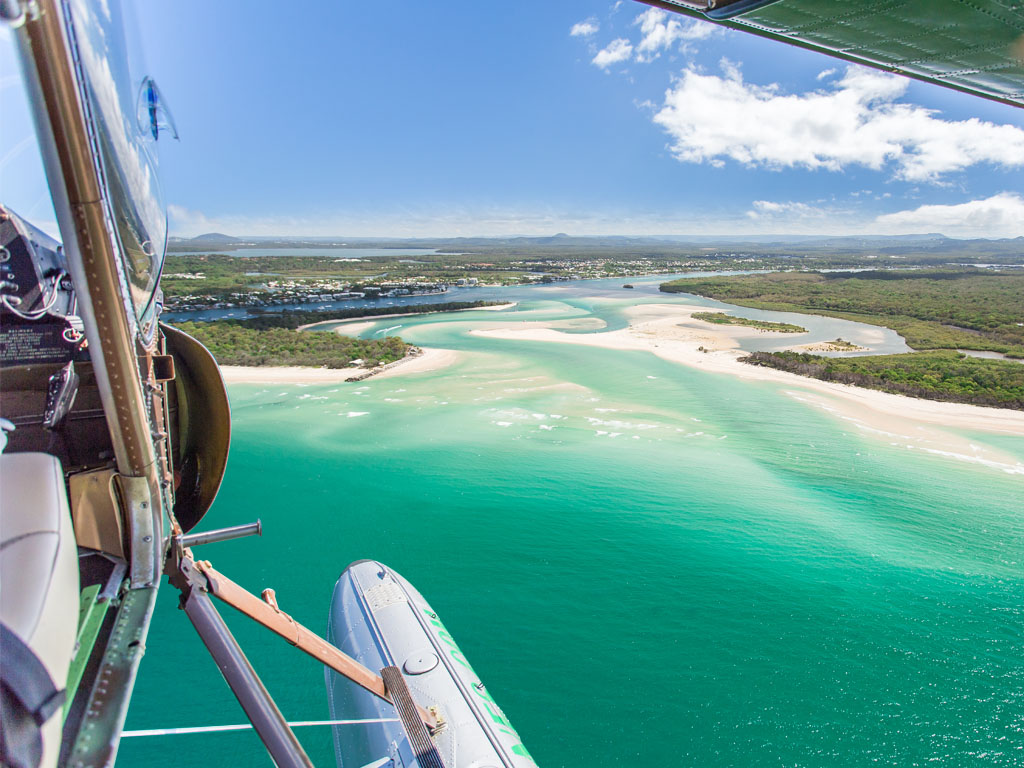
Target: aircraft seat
[{"x": 39, "y": 595}]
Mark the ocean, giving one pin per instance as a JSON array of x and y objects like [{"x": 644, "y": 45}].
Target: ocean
[{"x": 646, "y": 563}]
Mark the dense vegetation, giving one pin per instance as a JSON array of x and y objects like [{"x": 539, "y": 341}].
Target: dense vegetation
[
  {"x": 941, "y": 375},
  {"x": 234, "y": 344},
  {"x": 721, "y": 318},
  {"x": 931, "y": 309},
  {"x": 271, "y": 338},
  {"x": 937, "y": 310}
]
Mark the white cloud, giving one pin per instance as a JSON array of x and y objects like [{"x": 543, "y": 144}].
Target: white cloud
[
  {"x": 825, "y": 74},
  {"x": 767, "y": 209},
  {"x": 584, "y": 28},
  {"x": 617, "y": 50},
  {"x": 1001, "y": 215},
  {"x": 661, "y": 32},
  {"x": 856, "y": 121}
]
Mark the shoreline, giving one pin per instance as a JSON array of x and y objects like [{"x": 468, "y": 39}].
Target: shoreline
[
  {"x": 428, "y": 359},
  {"x": 669, "y": 332},
  {"x": 370, "y": 319}
]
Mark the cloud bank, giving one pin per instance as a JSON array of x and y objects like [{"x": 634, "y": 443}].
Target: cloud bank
[
  {"x": 998, "y": 216},
  {"x": 855, "y": 122}
]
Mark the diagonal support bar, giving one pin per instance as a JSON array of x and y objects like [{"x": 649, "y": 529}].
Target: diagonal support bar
[
  {"x": 259, "y": 707},
  {"x": 279, "y": 622}
]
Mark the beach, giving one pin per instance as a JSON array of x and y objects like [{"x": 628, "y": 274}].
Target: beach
[
  {"x": 670, "y": 332},
  {"x": 430, "y": 360}
]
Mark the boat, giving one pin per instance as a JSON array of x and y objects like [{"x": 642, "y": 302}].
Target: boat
[{"x": 116, "y": 427}]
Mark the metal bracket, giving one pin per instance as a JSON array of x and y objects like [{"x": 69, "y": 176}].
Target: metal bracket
[{"x": 144, "y": 530}]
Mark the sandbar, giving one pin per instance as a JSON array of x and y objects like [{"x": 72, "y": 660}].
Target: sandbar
[
  {"x": 669, "y": 332},
  {"x": 356, "y": 325},
  {"x": 430, "y": 360}
]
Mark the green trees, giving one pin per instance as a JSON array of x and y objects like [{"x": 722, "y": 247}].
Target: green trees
[
  {"x": 939, "y": 375},
  {"x": 234, "y": 344},
  {"x": 721, "y": 318},
  {"x": 931, "y": 309},
  {"x": 941, "y": 310}
]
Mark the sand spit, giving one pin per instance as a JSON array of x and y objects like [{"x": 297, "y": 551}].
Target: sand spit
[
  {"x": 355, "y": 325},
  {"x": 827, "y": 346},
  {"x": 669, "y": 332},
  {"x": 427, "y": 360}
]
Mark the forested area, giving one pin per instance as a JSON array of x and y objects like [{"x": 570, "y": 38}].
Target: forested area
[
  {"x": 233, "y": 343},
  {"x": 721, "y": 318},
  {"x": 937, "y": 311},
  {"x": 940, "y": 375},
  {"x": 931, "y": 309}
]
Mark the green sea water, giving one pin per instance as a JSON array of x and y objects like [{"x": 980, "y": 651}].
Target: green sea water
[{"x": 647, "y": 564}]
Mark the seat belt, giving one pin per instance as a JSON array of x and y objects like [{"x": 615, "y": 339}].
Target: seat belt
[{"x": 28, "y": 698}]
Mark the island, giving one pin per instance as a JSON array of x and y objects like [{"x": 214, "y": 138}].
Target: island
[{"x": 721, "y": 318}]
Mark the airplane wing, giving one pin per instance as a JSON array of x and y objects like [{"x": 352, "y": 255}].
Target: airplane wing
[{"x": 975, "y": 46}]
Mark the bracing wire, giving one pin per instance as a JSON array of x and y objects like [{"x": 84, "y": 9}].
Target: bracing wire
[{"x": 247, "y": 726}]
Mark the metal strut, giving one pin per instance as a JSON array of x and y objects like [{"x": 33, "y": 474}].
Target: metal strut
[
  {"x": 273, "y": 730},
  {"x": 198, "y": 580}
]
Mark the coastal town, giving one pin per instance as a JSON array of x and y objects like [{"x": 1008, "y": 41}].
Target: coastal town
[{"x": 184, "y": 284}]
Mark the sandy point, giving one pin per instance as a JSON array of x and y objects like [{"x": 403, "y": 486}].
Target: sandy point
[
  {"x": 430, "y": 360},
  {"x": 670, "y": 333}
]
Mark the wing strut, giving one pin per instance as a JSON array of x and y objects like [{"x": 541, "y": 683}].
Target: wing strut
[{"x": 197, "y": 580}]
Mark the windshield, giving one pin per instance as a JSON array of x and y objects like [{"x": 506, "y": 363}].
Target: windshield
[{"x": 126, "y": 143}]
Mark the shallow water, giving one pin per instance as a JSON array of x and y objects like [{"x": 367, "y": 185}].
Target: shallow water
[{"x": 647, "y": 564}]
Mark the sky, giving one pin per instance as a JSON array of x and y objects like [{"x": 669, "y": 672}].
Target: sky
[{"x": 458, "y": 118}]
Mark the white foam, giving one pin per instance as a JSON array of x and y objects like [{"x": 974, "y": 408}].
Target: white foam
[{"x": 353, "y": 414}]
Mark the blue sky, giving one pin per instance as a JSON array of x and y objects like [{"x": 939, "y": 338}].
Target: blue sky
[{"x": 465, "y": 118}]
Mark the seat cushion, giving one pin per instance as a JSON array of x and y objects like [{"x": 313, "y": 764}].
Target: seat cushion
[{"x": 39, "y": 586}]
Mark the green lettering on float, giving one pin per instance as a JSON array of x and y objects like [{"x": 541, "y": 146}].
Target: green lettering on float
[
  {"x": 495, "y": 712},
  {"x": 519, "y": 749}
]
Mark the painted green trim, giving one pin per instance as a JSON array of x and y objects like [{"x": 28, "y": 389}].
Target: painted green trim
[
  {"x": 845, "y": 30},
  {"x": 91, "y": 613}
]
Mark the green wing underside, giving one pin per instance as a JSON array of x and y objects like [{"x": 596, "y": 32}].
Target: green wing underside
[{"x": 976, "y": 46}]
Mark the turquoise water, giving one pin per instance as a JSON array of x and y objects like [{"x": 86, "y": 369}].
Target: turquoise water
[{"x": 646, "y": 563}]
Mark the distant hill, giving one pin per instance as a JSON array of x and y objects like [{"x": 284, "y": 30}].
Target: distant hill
[{"x": 216, "y": 237}]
